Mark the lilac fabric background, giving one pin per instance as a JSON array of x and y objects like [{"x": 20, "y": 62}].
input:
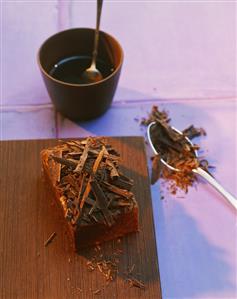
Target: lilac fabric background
[{"x": 180, "y": 55}]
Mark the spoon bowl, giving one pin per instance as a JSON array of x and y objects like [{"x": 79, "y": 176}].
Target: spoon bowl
[
  {"x": 155, "y": 151},
  {"x": 229, "y": 197},
  {"x": 91, "y": 75}
]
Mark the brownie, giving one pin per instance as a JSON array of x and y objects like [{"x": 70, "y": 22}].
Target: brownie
[{"x": 93, "y": 194}]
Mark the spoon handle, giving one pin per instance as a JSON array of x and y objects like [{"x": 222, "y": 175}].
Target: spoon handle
[
  {"x": 231, "y": 199},
  {"x": 96, "y": 39}
]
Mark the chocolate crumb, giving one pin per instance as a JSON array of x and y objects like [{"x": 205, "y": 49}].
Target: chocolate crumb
[
  {"x": 131, "y": 269},
  {"x": 97, "y": 292},
  {"x": 133, "y": 282},
  {"x": 50, "y": 239}
]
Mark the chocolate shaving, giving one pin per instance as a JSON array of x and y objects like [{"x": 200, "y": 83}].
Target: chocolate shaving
[
  {"x": 117, "y": 190},
  {"x": 101, "y": 201},
  {"x": 82, "y": 178},
  {"x": 58, "y": 169},
  {"x": 130, "y": 270},
  {"x": 95, "y": 167},
  {"x": 83, "y": 157},
  {"x": 123, "y": 182},
  {"x": 113, "y": 171},
  {"x": 175, "y": 150},
  {"x": 136, "y": 283},
  {"x": 192, "y": 132},
  {"x": 97, "y": 292},
  {"x": 92, "y": 188},
  {"x": 66, "y": 162},
  {"x": 107, "y": 266},
  {"x": 50, "y": 239}
]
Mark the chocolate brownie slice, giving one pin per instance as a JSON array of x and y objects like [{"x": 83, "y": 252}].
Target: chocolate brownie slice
[{"x": 93, "y": 194}]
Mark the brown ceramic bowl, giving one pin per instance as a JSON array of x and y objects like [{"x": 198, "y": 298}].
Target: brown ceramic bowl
[{"x": 80, "y": 101}]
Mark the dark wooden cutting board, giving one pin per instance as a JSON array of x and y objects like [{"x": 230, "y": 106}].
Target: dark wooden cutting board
[{"x": 28, "y": 217}]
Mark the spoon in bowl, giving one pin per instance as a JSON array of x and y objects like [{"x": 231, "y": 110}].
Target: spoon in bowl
[
  {"x": 92, "y": 74},
  {"x": 230, "y": 198}
]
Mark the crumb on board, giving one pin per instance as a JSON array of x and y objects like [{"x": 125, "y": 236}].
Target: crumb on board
[
  {"x": 50, "y": 239},
  {"x": 133, "y": 282}
]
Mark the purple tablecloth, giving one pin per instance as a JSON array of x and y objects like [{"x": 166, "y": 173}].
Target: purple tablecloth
[{"x": 178, "y": 55}]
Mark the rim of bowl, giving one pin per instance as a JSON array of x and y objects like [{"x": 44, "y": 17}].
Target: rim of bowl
[{"x": 83, "y": 84}]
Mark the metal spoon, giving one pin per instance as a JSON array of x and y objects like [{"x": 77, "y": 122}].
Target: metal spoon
[
  {"x": 230, "y": 198},
  {"x": 92, "y": 74}
]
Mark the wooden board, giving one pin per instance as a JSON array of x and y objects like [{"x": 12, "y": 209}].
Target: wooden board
[{"x": 28, "y": 217}]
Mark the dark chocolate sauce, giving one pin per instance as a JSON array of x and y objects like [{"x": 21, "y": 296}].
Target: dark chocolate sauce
[{"x": 70, "y": 69}]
